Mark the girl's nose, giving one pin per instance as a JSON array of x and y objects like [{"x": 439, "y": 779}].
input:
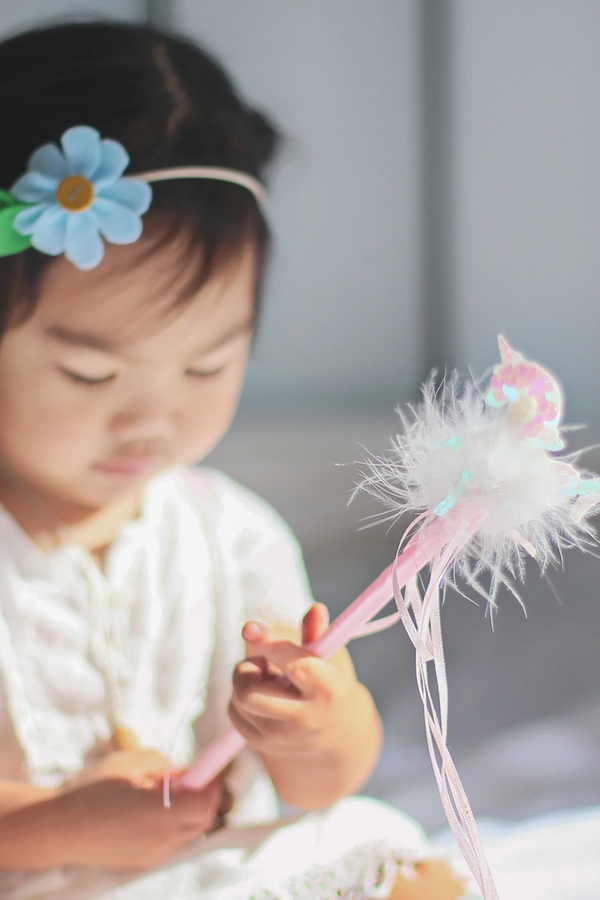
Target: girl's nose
[{"x": 146, "y": 419}]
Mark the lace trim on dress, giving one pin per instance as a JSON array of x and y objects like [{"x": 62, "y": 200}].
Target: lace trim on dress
[{"x": 365, "y": 872}]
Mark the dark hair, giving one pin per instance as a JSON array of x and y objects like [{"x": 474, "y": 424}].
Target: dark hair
[{"x": 168, "y": 103}]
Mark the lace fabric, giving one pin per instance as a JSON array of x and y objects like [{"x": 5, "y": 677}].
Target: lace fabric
[{"x": 365, "y": 872}]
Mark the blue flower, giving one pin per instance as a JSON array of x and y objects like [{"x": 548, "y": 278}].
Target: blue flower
[{"x": 78, "y": 195}]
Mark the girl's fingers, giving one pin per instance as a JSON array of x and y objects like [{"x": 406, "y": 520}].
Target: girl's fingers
[
  {"x": 292, "y": 661},
  {"x": 249, "y": 680},
  {"x": 196, "y": 807},
  {"x": 307, "y": 679},
  {"x": 267, "y": 732},
  {"x": 315, "y": 622},
  {"x": 255, "y": 632},
  {"x": 241, "y": 723},
  {"x": 265, "y": 710},
  {"x": 259, "y": 695}
]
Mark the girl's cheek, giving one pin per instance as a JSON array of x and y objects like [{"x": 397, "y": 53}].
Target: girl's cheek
[{"x": 209, "y": 419}]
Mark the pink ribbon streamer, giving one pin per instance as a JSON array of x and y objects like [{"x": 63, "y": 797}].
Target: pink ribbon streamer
[{"x": 425, "y": 632}]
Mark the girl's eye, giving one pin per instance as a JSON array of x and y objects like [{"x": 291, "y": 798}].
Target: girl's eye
[
  {"x": 204, "y": 373},
  {"x": 85, "y": 380}
]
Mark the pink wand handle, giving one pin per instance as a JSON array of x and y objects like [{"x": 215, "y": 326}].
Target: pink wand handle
[
  {"x": 341, "y": 631},
  {"x": 213, "y": 760},
  {"x": 416, "y": 555}
]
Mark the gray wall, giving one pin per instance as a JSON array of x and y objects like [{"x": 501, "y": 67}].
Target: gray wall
[
  {"x": 340, "y": 77},
  {"x": 510, "y": 201},
  {"x": 527, "y": 191}
]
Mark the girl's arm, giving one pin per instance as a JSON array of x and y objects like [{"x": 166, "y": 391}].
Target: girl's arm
[
  {"x": 111, "y": 816},
  {"x": 32, "y": 831},
  {"x": 16, "y": 794},
  {"x": 317, "y": 729}
]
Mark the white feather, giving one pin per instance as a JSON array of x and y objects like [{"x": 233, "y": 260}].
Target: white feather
[{"x": 461, "y": 460}]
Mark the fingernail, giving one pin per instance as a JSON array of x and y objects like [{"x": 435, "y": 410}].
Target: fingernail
[
  {"x": 253, "y": 631},
  {"x": 146, "y": 782}
]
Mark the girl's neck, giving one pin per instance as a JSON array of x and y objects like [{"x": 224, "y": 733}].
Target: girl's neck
[{"x": 50, "y": 524}]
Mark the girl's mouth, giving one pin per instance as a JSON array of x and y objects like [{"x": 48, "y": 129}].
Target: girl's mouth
[{"x": 129, "y": 467}]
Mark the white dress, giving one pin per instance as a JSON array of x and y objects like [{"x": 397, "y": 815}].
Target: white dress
[{"x": 179, "y": 583}]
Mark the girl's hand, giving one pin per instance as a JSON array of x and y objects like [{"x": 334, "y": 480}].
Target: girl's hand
[
  {"x": 114, "y": 815},
  {"x": 314, "y": 724},
  {"x": 142, "y": 767},
  {"x": 285, "y": 699}
]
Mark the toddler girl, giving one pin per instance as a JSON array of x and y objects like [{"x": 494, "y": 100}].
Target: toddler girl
[{"x": 133, "y": 246}]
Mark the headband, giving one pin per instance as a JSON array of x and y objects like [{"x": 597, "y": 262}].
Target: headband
[{"x": 69, "y": 200}]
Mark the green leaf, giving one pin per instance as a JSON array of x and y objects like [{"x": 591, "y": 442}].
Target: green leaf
[
  {"x": 7, "y": 199},
  {"x": 11, "y": 241}
]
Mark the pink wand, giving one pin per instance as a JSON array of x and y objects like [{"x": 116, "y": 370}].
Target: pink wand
[{"x": 480, "y": 471}]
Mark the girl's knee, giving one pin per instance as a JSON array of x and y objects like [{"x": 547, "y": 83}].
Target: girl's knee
[{"x": 432, "y": 880}]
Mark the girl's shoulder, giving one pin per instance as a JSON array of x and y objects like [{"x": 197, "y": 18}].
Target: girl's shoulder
[
  {"x": 233, "y": 509},
  {"x": 252, "y": 542}
]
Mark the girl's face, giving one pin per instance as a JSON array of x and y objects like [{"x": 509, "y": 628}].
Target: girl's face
[{"x": 106, "y": 384}]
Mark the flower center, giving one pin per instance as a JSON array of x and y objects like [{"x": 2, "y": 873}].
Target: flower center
[{"x": 75, "y": 193}]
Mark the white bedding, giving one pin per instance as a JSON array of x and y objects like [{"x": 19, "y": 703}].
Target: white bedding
[{"x": 556, "y": 857}]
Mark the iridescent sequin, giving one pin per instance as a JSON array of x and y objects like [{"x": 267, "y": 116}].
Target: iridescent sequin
[{"x": 533, "y": 397}]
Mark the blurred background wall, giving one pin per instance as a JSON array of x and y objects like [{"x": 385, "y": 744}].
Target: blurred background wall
[
  {"x": 439, "y": 184},
  {"x": 340, "y": 79}
]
